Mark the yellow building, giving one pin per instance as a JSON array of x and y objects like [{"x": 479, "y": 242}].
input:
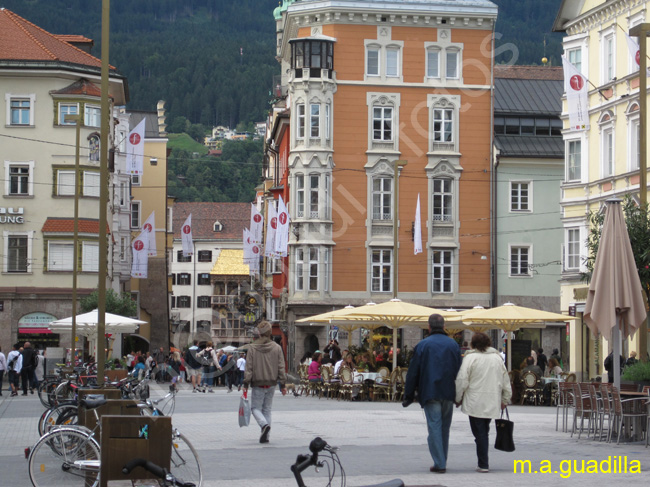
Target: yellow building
[
  {"x": 602, "y": 161},
  {"x": 149, "y": 194}
]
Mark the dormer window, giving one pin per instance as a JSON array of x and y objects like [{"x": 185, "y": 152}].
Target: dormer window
[
  {"x": 313, "y": 54},
  {"x": 218, "y": 227}
]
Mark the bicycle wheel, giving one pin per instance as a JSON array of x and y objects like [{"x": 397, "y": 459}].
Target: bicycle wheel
[
  {"x": 185, "y": 464},
  {"x": 46, "y": 393},
  {"x": 65, "y": 457},
  {"x": 51, "y": 417},
  {"x": 64, "y": 392}
]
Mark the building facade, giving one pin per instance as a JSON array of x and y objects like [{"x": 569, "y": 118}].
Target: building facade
[
  {"x": 369, "y": 86},
  {"x": 529, "y": 166},
  {"x": 149, "y": 195},
  {"x": 601, "y": 161},
  {"x": 209, "y": 286},
  {"x": 43, "y": 78}
]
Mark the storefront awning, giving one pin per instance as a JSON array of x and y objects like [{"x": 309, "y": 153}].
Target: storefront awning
[{"x": 38, "y": 331}]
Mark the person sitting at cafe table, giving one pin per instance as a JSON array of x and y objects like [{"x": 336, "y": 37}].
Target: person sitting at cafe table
[
  {"x": 313, "y": 371},
  {"x": 347, "y": 360},
  {"x": 632, "y": 360},
  {"x": 531, "y": 367},
  {"x": 554, "y": 369}
]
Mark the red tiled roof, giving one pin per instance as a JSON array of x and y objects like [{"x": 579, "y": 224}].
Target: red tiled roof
[
  {"x": 20, "y": 40},
  {"x": 80, "y": 87},
  {"x": 506, "y": 71},
  {"x": 66, "y": 225},
  {"x": 73, "y": 38},
  {"x": 233, "y": 216}
]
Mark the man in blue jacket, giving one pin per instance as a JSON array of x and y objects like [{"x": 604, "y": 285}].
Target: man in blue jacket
[{"x": 432, "y": 374}]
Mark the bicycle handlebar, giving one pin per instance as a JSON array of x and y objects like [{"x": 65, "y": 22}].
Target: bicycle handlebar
[
  {"x": 303, "y": 462},
  {"x": 156, "y": 470}
]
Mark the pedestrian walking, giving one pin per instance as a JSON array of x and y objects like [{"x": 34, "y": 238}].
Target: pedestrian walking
[
  {"x": 241, "y": 370},
  {"x": 193, "y": 367},
  {"x": 29, "y": 365},
  {"x": 264, "y": 369},
  {"x": 14, "y": 366},
  {"x": 432, "y": 374},
  {"x": 3, "y": 368},
  {"x": 39, "y": 370},
  {"x": 482, "y": 390},
  {"x": 175, "y": 366}
]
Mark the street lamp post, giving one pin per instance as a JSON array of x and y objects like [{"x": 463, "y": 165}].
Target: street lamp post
[
  {"x": 396, "y": 166},
  {"x": 641, "y": 31},
  {"x": 77, "y": 119}
]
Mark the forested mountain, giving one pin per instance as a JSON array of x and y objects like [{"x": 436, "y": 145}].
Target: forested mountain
[
  {"x": 186, "y": 52},
  {"x": 213, "y": 62}
]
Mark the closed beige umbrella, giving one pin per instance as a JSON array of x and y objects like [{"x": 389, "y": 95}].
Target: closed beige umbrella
[{"x": 615, "y": 304}]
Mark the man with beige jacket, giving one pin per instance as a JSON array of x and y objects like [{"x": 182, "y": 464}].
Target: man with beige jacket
[{"x": 264, "y": 369}]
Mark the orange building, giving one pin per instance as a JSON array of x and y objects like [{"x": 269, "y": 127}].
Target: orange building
[{"x": 367, "y": 85}]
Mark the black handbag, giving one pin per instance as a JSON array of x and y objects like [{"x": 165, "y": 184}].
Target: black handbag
[{"x": 504, "y": 427}]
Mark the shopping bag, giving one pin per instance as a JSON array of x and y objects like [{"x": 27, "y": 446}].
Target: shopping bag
[
  {"x": 244, "y": 410},
  {"x": 504, "y": 427}
]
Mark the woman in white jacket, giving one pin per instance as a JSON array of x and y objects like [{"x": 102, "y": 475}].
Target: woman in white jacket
[{"x": 483, "y": 389}]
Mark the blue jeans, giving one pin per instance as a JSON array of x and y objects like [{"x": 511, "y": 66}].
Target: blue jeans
[
  {"x": 439, "y": 414},
  {"x": 261, "y": 404},
  {"x": 481, "y": 431}
]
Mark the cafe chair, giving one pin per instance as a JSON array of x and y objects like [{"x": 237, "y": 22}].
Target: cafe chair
[
  {"x": 304, "y": 381},
  {"x": 330, "y": 385},
  {"x": 607, "y": 412},
  {"x": 564, "y": 403},
  {"x": 346, "y": 387},
  {"x": 384, "y": 387},
  {"x": 584, "y": 408},
  {"x": 532, "y": 388},
  {"x": 633, "y": 408}
]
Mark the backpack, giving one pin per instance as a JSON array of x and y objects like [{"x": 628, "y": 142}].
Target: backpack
[
  {"x": 12, "y": 363},
  {"x": 190, "y": 359}
]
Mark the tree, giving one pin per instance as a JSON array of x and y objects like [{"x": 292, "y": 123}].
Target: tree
[{"x": 119, "y": 304}]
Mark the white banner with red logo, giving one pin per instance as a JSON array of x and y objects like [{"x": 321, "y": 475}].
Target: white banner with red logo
[
  {"x": 271, "y": 226},
  {"x": 257, "y": 224},
  {"x": 417, "y": 230},
  {"x": 575, "y": 86},
  {"x": 140, "y": 259},
  {"x": 251, "y": 253},
  {"x": 635, "y": 54},
  {"x": 135, "y": 150},
  {"x": 186, "y": 237},
  {"x": 282, "y": 232},
  {"x": 150, "y": 228}
]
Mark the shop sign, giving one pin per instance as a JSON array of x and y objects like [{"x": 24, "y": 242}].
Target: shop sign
[
  {"x": 36, "y": 320},
  {"x": 11, "y": 215}
]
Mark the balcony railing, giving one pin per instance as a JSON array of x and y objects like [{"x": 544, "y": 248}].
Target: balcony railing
[{"x": 222, "y": 300}]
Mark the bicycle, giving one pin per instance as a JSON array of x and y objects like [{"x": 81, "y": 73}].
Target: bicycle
[
  {"x": 169, "y": 480},
  {"x": 67, "y": 455},
  {"x": 317, "y": 446},
  {"x": 185, "y": 463}
]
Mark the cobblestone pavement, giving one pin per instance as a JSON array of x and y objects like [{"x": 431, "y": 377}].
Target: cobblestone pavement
[{"x": 378, "y": 441}]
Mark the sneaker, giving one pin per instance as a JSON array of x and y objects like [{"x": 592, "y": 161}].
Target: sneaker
[
  {"x": 194, "y": 390},
  {"x": 435, "y": 469},
  {"x": 13, "y": 394},
  {"x": 482, "y": 470},
  {"x": 265, "y": 433},
  {"x": 238, "y": 388},
  {"x": 210, "y": 390},
  {"x": 24, "y": 394},
  {"x": 31, "y": 391},
  {"x": 203, "y": 390},
  {"x": 229, "y": 391}
]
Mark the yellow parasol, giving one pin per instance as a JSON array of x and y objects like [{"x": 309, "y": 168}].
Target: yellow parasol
[{"x": 510, "y": 317}]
